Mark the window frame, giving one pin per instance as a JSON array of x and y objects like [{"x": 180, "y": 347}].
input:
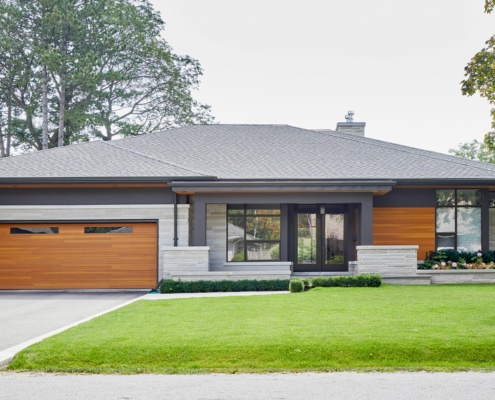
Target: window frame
[
  {"x": 456, "y": 206},
  {"x": 245, "y": 208}
]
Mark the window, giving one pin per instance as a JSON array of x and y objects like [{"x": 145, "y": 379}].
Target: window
[
  {"x": 108, "y": 229},
  {"x": 491, "y": 221},
  {"x": 39, "y": 230},
  {"x": 458, "y": 219},
  {"x": 253, "y": 233}
]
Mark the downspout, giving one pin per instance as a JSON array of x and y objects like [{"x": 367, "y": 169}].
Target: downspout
[{"x": 175, "y": 220}]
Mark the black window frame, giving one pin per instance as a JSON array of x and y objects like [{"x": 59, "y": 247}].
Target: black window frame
[
  {"x": 456, "y": 206},
  {"x": 244, "y": 215}
]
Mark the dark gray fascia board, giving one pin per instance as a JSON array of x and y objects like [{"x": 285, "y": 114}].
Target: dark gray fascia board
[
  {"x": 445, "y": 182},
  {"x": 280, "y": 185},
  {"x": 108, "y": 180}
]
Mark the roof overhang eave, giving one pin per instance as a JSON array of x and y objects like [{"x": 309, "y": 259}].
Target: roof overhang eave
[
  {"x": 283, "y": 186},
  {"x": 100, "y": 180}
]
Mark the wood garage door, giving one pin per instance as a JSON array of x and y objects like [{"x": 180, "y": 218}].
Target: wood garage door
[{"x": 78, "y": 256}]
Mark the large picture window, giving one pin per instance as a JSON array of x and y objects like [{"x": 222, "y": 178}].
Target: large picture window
[
  {"x": 253, "y": 233},
  {"x": 458, "y": 219}
]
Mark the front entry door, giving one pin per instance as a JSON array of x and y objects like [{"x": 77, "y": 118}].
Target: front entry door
[{"x": 320, "y": 244}]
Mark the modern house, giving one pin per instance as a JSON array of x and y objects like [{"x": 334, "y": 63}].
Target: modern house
[{"x": 233, "y": 202}]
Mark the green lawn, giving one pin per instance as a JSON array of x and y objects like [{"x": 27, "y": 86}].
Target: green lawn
[{"x": 326, "y": 329}]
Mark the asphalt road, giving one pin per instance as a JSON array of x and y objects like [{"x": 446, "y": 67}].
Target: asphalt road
[{"x": 341, "y": 386}]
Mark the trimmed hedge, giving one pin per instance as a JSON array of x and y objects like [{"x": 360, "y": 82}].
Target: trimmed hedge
[
  {"x": 365, "y": 280},
  {"x": 171, "y": 286},
  {"x": 296, "y": 285}
]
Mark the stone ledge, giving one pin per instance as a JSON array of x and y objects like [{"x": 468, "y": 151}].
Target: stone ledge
[
  {"x": 383, "y": 247},
  {"x": 185, "y": 248}
]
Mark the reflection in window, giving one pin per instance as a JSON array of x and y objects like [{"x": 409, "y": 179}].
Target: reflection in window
[
  {"x": 108, "y": 229},
  {"x": 306, "y": 238},
  {"x": 458, "y": 219},
  {"x": 253, "y": 233},
  {"x": 34, "y": 230}
]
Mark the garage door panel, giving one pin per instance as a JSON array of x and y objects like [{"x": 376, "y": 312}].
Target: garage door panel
[{"x": 74, "y": 259}]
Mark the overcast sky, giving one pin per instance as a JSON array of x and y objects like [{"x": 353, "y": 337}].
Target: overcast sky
[{"x": 397, "y": 64}]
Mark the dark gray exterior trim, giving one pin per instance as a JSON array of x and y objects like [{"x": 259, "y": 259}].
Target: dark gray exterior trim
[{"x": 279, "y": 186}]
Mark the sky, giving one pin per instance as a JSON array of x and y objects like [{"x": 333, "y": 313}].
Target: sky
[{"x": 397, "y": 64}]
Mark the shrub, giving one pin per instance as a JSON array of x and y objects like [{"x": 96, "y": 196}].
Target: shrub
[
  {"x": 296, "y": 285},
  {"x": 453, "y": 259},
  {"x": 365, "y": 280},
  {"x": 171, "y": 286}
]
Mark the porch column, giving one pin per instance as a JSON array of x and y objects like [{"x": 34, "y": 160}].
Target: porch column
[
  {"x": 199, "y": 228},
  {"x": 366, "y": 222}
]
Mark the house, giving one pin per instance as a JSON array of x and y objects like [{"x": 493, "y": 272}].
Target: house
[{"x": 233, "y": 202}]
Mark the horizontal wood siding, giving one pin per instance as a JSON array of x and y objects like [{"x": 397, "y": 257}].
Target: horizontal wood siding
[
  {"x": 405, "y": 226},
  {"x": 72, "y": 259}
]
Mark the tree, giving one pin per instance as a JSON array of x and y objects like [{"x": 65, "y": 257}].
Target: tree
[
  {"x": 474, "y": 150},
  {"x": 480, "y": 77},
  {"x": 74, "y": 70}
]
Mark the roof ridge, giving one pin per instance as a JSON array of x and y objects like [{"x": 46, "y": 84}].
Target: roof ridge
[
  {"x": 153, "y": 158},
  {"x": 412, "y": 150}
]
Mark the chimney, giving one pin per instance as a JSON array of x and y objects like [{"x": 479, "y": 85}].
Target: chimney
[{"x": 351, "y": 127}]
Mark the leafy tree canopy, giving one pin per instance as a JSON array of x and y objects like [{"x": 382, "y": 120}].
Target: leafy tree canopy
[
  {"x": 474, "y": 150},
  {"x": 75, "y": 70},
  {"x": 480, "y": 77}
]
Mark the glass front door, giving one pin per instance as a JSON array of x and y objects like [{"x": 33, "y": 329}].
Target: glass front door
[{"x": 320, "y": 240}]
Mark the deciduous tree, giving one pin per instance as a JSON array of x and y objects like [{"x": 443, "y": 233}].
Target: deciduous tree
[{"x": 480, "y": 77}]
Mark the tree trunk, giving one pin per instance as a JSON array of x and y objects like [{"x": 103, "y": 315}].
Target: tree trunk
[
  {"x": 44, "y": 140},
  {"x": 9, "y": 124},
  {"x": 2, "y": 145}
]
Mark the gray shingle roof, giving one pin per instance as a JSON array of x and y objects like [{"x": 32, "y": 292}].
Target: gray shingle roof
[{"x": 244, "y": 152}]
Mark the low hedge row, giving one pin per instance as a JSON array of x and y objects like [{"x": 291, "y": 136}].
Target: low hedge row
[
  {"x": 171, "y": 286},
  {"x": 365, "y": 280}
]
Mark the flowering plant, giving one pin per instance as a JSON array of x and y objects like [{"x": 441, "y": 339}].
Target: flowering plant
[{"x": 451, "y": 259}]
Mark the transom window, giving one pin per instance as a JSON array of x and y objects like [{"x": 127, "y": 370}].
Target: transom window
[
  {"x": 108, "y": 229},
  {"x": 253, "y": 233},
  {"x": 39, "y": 230},
  {"x": 458, "y": 219}
]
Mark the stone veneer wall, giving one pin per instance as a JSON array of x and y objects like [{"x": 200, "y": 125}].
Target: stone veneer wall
[
  {"x": 459, "y": 276},
  {"x": 216, "y": 233},
  {"x": 387, "y": 260},
  {"x": 164, "y": 213},
  {"x": 183, "y": 260}
]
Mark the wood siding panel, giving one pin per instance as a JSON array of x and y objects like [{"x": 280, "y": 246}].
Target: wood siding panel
[
  {"x": 72, "y": 259},
  {"x": 405, "y": 226}
]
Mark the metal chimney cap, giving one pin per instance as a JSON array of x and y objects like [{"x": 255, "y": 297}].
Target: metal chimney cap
[{"x": 350, "y": 116}]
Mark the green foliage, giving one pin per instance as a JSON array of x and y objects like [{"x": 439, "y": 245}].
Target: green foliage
[
  {"x": 364, "y": 280},
  {"x": 474, "y": 151},
  {"x": 100, "y": 69},
  {"x": 296, "y": 285},
  {"x": 453, "y": 259},
  {"x": 480, "y": 77},
  {"x": 171, "y": 286},
  {"x": 238, "y": 256}
]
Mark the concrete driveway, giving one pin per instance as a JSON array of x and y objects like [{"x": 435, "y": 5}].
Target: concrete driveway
[{"x": 25, "y": 316}]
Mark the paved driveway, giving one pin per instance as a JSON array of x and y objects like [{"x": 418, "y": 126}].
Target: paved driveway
[{"x": 27, "y": 315}]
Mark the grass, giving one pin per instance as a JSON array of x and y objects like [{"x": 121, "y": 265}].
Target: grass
[{"x": 436, "y": 328}]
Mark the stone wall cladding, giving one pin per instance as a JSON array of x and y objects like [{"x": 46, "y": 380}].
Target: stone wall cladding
[
  {"x": 463, "y": 276},
  {"x": 387, "y": 260},
  {"x": 216, "y": 233},
  {"x": 163, "y": 213},
  {"x": 180, "y": 260}
]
